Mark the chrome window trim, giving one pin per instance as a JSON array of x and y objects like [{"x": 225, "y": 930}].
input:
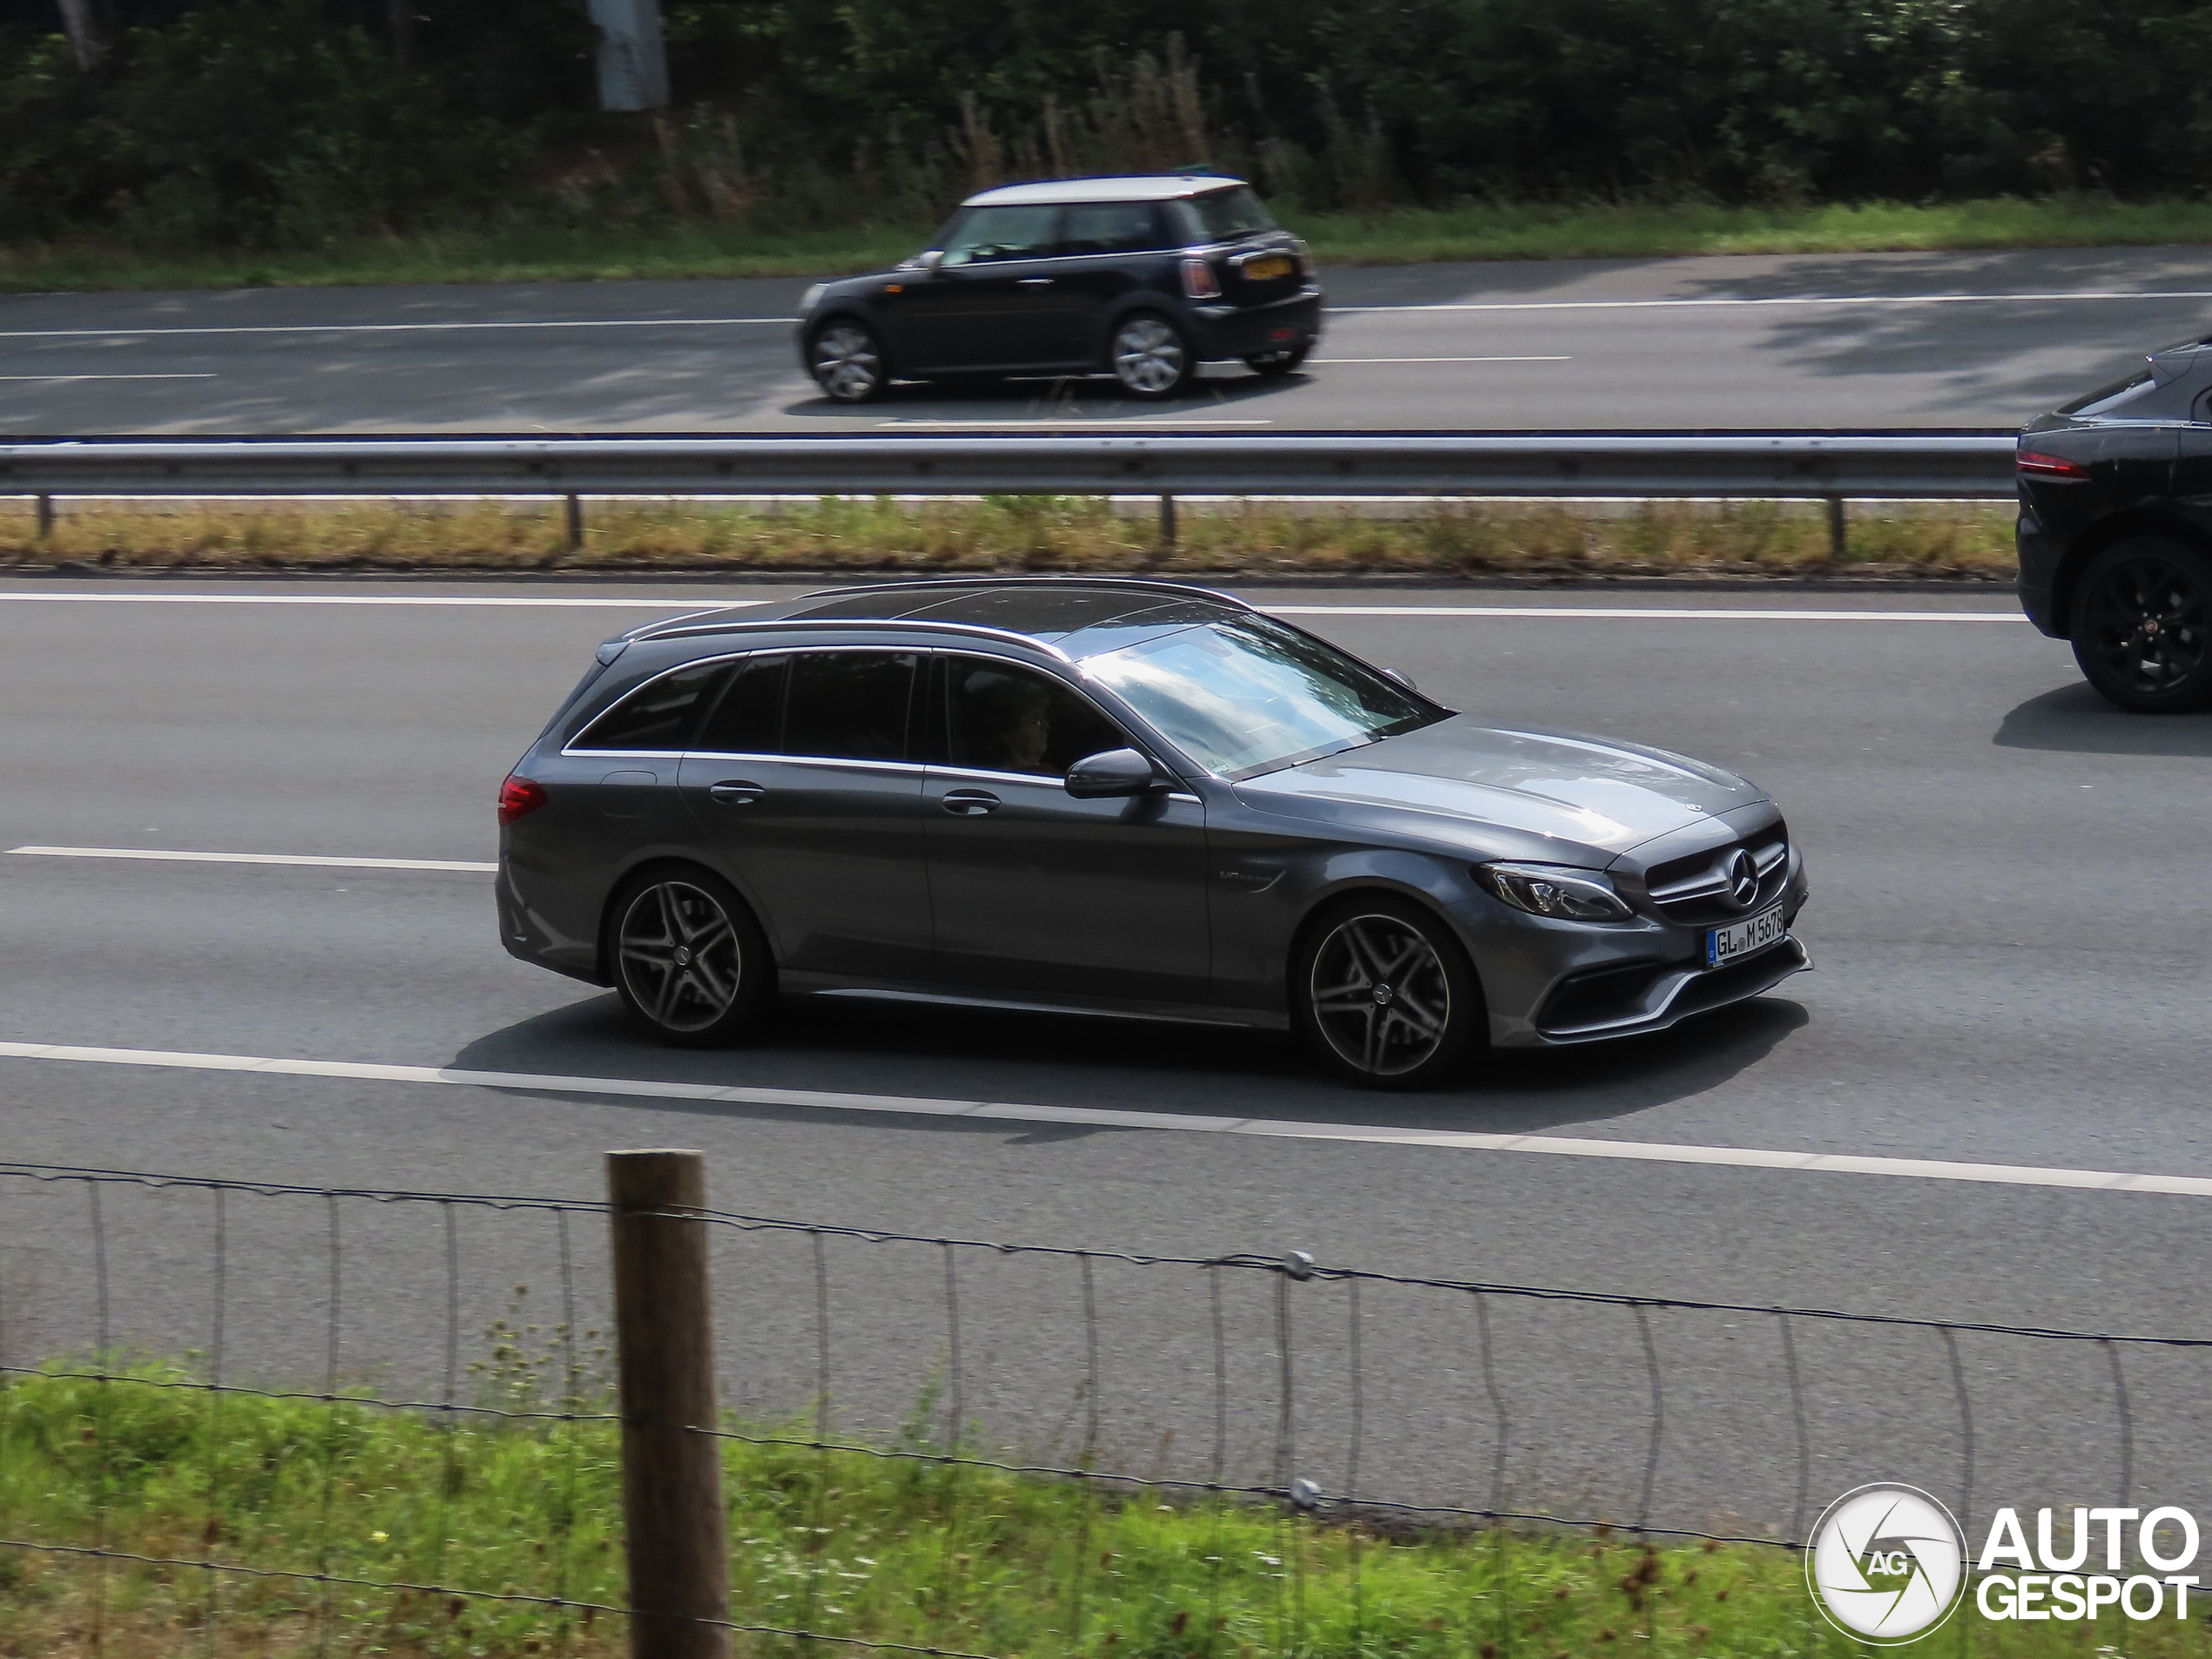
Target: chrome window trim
[
  {"x": 624, "y": 754},
  {"x": 803, "y": 760}
]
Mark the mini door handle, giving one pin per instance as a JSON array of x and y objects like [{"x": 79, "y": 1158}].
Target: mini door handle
[
  {"x": 734, "y": 794},
  {"x": 971, "y": 803},
  {"x": 1033, "y": 282}
]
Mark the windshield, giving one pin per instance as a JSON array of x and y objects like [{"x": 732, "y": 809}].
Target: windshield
[
  {"x": 1246, "y": 695},
  {"x": 1224, "y": 215}
]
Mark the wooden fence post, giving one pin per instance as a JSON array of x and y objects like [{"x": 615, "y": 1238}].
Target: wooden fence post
[{"x": 672, "y": 1474}]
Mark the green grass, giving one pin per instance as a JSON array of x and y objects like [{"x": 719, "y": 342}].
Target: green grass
[
  {"x": 843, "y": 1543},
  {"x": 1388, "y": 237},
  {"x": 1448, "y": 541}
]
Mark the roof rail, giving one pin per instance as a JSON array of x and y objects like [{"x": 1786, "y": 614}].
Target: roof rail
[
  {"x": 770, "y": 624},
  {"x": 1142, "y": 583}
]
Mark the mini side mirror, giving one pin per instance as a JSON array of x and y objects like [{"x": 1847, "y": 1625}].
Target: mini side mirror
[
  {"x": 1115, "y": 772},
  {"x": 1402, "y": 677},
  {"x": 927, "y": 263}
]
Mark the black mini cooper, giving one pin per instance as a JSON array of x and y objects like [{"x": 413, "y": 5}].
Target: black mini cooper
[{"x": 1141, "y": 278}]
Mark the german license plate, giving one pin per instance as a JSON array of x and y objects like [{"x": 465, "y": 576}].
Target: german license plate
[
  {"x": 1724, "y": 945},
  {"x": 1267, "y": 270}
]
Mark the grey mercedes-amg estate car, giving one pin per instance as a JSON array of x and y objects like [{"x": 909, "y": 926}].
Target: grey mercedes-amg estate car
[{"x": 1120, "y": 797}]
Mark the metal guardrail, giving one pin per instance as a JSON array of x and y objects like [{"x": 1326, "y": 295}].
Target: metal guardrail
[{"x": 1828, "y": 466}]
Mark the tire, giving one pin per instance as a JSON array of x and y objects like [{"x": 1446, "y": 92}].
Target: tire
[
  {"x": 687, "y": 958},
  {"x": 2142, "y": 626},
  {"x": 1150, "y": 356},
  {"x": 1273, "y": 365},
  {"x": 846, "y": 361},
  {"x": 1383, "y": 994}
]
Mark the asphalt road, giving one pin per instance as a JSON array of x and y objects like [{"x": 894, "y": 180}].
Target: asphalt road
[
  {"x": 1845, "y": 340},
  {"x": 2006, "y": 918}
]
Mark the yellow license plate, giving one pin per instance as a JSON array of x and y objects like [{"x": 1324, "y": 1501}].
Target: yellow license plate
[{"x": 1267, "y": 270}]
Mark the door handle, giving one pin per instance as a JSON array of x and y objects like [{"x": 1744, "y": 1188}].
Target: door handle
[
  {"x": 734, "y": 792},
  {"x": 971, "y": 803},
  {"x": 1033, "y": 282}
]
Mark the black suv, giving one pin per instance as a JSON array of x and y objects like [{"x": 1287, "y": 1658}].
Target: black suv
[
  {"x": 2115, "y": 532},
  {"x": 1144, "y": 278}
]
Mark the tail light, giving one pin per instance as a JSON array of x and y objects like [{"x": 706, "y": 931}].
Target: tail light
[
  {"x": 2056, "y": 468},
  {"x": 519, "y": 797},
  {"x": 1199, "y": 281}
]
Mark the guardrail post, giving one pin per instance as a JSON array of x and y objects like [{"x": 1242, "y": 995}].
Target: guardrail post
[
  {"x": 1167, "y": 521},
  {"x": 1838, "y": 540},
  {"x": 574, "y": 515},
  {"x": 672, "y": 1474},
  {"x": 45, "y": 518}
]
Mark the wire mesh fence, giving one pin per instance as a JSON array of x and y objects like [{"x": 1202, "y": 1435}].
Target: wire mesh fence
[{"x": 243, "y": 1416}]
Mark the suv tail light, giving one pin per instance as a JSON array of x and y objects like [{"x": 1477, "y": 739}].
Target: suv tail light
[
  {"x": 519, "y": 797},
  {"x": 1199, "y": 281},
  {"x": 2056, "y": 468}
]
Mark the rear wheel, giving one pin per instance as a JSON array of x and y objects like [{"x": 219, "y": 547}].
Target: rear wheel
[
  {"x": 690, "y": 962},
  {"x": 1272, "y": 365},
  {"x": 1384, "y": 995},
  {"x": 1150, "y": 357},
  {"x": 847, "y": 363},
  {"x": 2142, "y": 626}
]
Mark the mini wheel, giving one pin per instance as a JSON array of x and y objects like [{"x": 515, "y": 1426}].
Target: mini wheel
[
  {"x": 689, "y": 962},
  {"x": 1384, "y": 995},
  {"x": 1150, "y": 357},
  {"x": 847, "y": 363},
  {"x": 2142, "y": 626}
]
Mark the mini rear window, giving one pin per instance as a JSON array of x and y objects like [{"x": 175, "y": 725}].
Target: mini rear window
[{"x": 1224, "y": 215}]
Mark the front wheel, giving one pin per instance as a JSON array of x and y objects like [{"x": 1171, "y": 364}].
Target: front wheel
[
  {"x": 1273, "y": 365},
  {"x": 1150, "y": 357},
  {"x": 2142, "y": 627},
  {"x": 690, "y": 962},
  {"x": 1384, "y": 995},
  {"x": 847, "y": 363}
]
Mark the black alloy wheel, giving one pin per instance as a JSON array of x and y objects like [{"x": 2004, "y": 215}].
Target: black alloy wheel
[
  {"x": 1273, "y": 365},
  {"x": 1150, "y": 357},
  {"x": 2142, "y": 626},
  {"x": 689, "y": 960},
  {"x": 1383, "y": 994},
  {"x": 847, "y": 363}
]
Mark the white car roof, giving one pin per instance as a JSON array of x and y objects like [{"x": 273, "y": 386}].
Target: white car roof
[{"x": 1148, "y": 187}]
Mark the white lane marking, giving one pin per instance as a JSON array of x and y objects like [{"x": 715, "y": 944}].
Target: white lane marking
[
  {"x": 126, "y": 332},
  {"x": 1792, "y": 300},
  {"x": 1085, "y": 420},
  {"x": 107, "y": 377},
  {"x": 1322, "y": 361},
  {"x": 700, "y": 602},
  {"x": 2022, "y": 1175},
  {"x": 315, "y": 859},
  {"x": 1667, "y": 612}
]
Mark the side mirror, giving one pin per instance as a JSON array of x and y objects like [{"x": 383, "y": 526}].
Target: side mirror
[
  {"x": 1402, "y": 677},
  {"x": 927, "y": 263},
  {"x": 1112, "y": 772}
]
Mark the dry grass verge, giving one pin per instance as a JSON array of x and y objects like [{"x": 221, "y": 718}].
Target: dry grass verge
[{"x": 1448, "y": 540}]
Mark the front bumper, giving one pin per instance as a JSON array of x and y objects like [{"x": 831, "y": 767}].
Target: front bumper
[{"x": 1221, "y": 333}]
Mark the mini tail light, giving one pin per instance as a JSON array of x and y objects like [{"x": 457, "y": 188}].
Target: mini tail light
[
  {"x": 1199, "y": 281},
  {"x": 2053, "y": 467},
  {"x": 519, "y": 797}
]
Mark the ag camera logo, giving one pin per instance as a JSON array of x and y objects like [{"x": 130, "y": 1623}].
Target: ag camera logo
[{"x": 1887, "y": 1564}]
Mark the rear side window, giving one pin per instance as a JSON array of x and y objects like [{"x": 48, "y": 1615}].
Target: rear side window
[
  {"x": 848, "y": 704},
  {"x": 1001, "y": 717},
  {"x": 750, "y": 718},
  {"x": 1112, "y": 227},
  {"x": 1011, "y": 232},
  {"x": 660, "y": 714}
]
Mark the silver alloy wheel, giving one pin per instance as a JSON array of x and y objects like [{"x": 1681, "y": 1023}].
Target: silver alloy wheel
[
  {"x": 1147, "y": 356},
  {"x": 679, "y": 956},
  {"x": 1380, "y": 994},
  {"x": 846, "y": 363}
]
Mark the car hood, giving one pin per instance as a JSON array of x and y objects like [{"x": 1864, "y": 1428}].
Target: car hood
[{"x": 1591, "y": 792}]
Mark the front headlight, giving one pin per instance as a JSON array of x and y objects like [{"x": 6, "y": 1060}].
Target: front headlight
[
  {"x": 806, "y": 300},
  {"x": 1554, "y": 890}
]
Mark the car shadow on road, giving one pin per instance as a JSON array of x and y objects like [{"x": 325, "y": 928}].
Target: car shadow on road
[
  {"x": 1067, "y": 397},
  {"x": 2074, "y": 719},
  {"x": 935, "y": 1053}
]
